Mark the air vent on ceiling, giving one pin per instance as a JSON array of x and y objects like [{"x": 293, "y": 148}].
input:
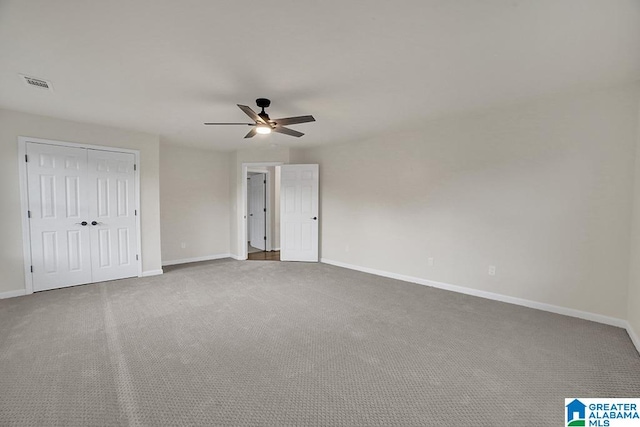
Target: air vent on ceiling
[{"x": 39, "y": 83}]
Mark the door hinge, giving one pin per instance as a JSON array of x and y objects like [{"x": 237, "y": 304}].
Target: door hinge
[
  {"x": 135, "y": 212},
  {"x": 265, "y": 209},
  {"x": 32, "y": 268},
  {"x": 135, "y": 167},
  {"x": 265, "y": 237},
  {"x": 26, "y": 158},
  {"x": 265, "y": 181},
  {"x": 136, "y": 257},
  {"x": 28, "y": 214}
]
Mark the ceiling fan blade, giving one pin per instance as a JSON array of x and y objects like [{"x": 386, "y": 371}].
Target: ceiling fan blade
[
  {"x": 287, "y": 131},
  {"x": 244, "y": 124},
  {"x": 294, "y": 120},
  {"x": 249, "y": 112},
  {"x": 251, "y": 133}
]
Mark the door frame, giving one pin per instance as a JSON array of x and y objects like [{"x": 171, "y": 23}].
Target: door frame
[
  {"x": 24, "y": 198},
  {"x": 242, "y": 209}
]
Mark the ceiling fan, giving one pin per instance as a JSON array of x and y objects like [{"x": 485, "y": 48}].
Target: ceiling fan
[{"x": 264, "y": 125}]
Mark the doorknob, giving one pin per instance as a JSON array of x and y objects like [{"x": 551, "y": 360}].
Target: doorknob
[
  {"x": 83, "y": 223},
  {"x": 95, "y": 223},
  {"x": 315, "y": 218}
]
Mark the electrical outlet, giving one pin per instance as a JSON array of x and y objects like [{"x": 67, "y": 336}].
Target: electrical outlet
[
  {"x": 492, "y": 270},
  {"x": 430, "y": 262},
  {"x": 183, "y": 245}
]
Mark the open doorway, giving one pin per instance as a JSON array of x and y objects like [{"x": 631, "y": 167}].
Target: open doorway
[
  {"x": 298, "y": 235},
  {"x": 262, "y": 219}
]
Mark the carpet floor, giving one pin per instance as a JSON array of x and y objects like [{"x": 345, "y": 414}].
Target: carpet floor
[{"x": 273, "y": 343}]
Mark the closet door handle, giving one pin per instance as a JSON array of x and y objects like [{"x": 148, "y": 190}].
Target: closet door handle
[
  {"x": 83, "y": 223},
  {"x": 96, "y": 223},
  {"x": 315, "y": 218}
]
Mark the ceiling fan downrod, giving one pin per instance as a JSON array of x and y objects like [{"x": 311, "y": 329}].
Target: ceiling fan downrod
[{"x": 263, "y": 103}]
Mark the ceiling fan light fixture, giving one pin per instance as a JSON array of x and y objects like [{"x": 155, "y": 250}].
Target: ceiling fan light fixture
[
  {"x": 262, "y": 124},
  {"x": 263, "y": 129}
]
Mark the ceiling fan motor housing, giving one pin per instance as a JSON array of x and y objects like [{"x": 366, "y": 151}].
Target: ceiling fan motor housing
[{"x": 263, "y": 102}]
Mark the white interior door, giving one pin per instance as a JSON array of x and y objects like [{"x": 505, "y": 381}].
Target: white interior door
[
  {"x": 57, "y": 187},
  {"x": 112, "y": 213},
  {"x": 299, "y": 213},
  {"x": 257, "y": 213},
  {"x": 249, "y": 210}
]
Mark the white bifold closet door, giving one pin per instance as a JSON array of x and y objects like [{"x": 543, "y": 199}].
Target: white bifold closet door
[
  {"x": 60, "y": 245},
  {"x": 82, "y": 224},
  {"x": 112, "y": 215}
]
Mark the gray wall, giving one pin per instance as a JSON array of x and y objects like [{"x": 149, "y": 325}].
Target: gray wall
[
  {"x": 194, "y": 202},
  {"x": 634, "y": 280},
  {"x": 541, "y": 190}
]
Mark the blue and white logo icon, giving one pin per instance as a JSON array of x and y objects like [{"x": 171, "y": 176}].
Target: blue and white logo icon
[
  {"x": 576, "y": 413},
  {"x": 602, "y": 412}
]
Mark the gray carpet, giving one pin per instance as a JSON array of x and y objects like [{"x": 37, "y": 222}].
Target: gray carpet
[{"x": 268, "y": 343}]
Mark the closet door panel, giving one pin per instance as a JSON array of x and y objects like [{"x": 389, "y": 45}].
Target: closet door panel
[
  {"x": 112, "y": 216},
  {"x": 57, "y": 191}
]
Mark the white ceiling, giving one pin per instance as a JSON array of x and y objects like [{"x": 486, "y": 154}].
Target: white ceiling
[{"x": 359, "y": 67}]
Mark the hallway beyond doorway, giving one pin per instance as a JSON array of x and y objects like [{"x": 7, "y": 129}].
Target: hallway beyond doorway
[{"x": 264, "y": 256}]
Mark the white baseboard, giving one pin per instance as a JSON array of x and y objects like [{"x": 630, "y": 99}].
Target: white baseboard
[
  {"x": 613, "y": 321},
  {"x": 149, "y": 273},
  {"x": 275, "y": 249},
  {"x": 12, "y": 294},
  {"x": 197, "y": 259},
  {"x": 236, "y": 257},
  {"x": 634, "y": 337}
]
